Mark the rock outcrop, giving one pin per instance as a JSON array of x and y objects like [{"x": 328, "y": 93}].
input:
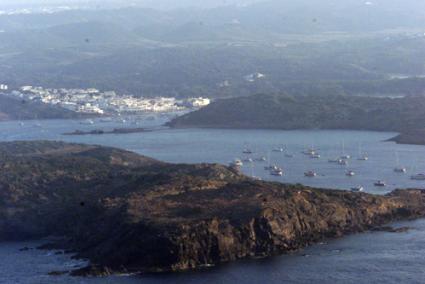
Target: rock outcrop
[{"x": 128, "y": 213}]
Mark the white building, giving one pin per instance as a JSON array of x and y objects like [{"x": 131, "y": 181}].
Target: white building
[{"x": 4, "y": 87}]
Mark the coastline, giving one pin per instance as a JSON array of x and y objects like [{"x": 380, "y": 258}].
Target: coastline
[{"x": 163, "y": 217}]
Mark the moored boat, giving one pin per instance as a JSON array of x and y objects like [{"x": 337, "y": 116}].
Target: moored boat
[
  {"x": 310, "y": 174},
  {"x": 380, "y": 183},
  {"x": 418, "y": 177},
  {"x": 357, "y": 189}
]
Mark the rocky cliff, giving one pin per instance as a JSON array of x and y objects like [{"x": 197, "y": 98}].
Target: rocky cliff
[{"x": 128, "y": 213}]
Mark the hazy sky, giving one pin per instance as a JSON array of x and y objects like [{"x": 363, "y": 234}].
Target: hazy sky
[{"x": 163, "y": 4}]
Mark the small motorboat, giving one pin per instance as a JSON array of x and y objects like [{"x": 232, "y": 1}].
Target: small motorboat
[
  {"x": 276, "y": 172},
  {"x": 271, "y": 167},
  {"x": 315, "y": 156},
  {"x": 401, "y": 170},
  {"x": 350, "y": 173},
  {"x": 418, "y": 177},
  {"x": 310, "y": 174},
  {"x": 380, "y": 183},
  {"x": 247, "y": 151},
  {"x": 309, "y": 152},
  {"x": 279, "y": 150}
]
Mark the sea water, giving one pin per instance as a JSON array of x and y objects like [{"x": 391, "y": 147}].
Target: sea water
[{"x": 365, "y": 258}]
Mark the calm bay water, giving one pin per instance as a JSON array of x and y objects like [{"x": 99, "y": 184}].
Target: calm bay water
[{"x": 364, "y": 258}]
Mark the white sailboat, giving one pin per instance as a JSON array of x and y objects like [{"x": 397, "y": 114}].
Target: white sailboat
[
  {"x": 344, "y": 155},
  {"x": 279, "y": 149},
  {"x": 252, "y": 173},
  {"x": 362, "y": 156},
  {"x": 398, "y": 168},
  {"x": 276, "y": 171},
  {"x": 269, "y": 165}
]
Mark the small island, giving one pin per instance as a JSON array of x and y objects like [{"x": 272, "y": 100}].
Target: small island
[
  {"x": 127, "y": 213},
  {"x": 113, "y": 131}
]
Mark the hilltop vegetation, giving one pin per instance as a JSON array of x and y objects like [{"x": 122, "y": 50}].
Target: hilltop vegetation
[
  {"x": 310, "y": 112},
  {"x": 190, "y": 52}
]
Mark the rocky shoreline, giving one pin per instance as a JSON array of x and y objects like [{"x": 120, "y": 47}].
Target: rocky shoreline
[{"x": 126, "y": 213}]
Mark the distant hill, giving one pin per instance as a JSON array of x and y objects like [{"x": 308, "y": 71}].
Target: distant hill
[
  {"x": 12, "y": 109},
  {"x": 192, "y": 51}
]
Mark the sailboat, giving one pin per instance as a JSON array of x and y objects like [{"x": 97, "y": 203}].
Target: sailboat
[
  {"x": 269, "y": 166},
  {"x": 344, "y": 156},
  {"x": 276, "y": 171},
  {"x": 252, "y": 173},
  {"x": 398, "y": 168},
  {"x": 279, "y": 149},
  {"x": 362, "y": 156},
  {"x": 418, "y": 176}
]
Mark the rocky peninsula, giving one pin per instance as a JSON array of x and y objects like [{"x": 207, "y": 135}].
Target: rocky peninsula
[
  {"x": 289, "y": 112},
  {"x": 413, "y": 137},
  {"x": 128, "y": 213},
  {"x": 16, "y": 109}
]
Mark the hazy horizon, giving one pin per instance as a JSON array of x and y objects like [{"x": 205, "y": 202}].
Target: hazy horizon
[{"x": 155, "y": 4}]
